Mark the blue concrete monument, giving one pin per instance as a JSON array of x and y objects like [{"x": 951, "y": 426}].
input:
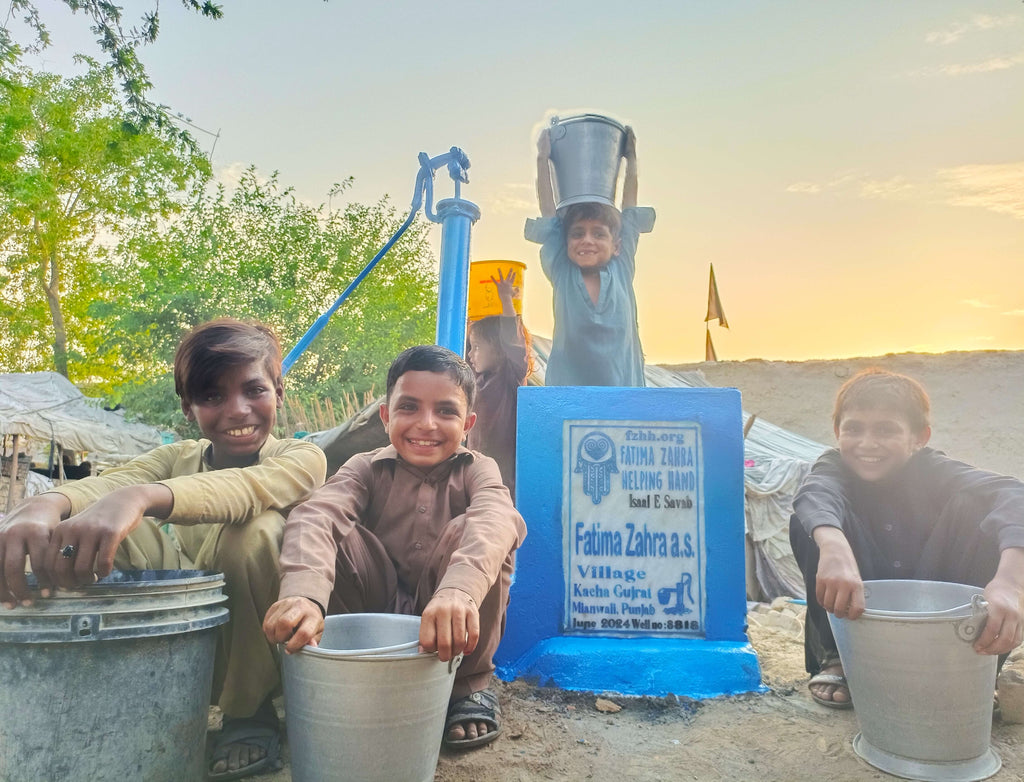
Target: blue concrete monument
[{"x": 631, "y": 578}]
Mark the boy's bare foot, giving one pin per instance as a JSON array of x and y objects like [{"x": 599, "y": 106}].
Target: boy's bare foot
[
  {"x": 467, "y": 730},
  {"x": 247, "y": 745},
  {"x": 473, "y": 720},
  {"x": 829, "y": 688}
]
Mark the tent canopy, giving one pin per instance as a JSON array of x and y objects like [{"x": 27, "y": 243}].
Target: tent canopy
[{"x": 46, "y": 406}]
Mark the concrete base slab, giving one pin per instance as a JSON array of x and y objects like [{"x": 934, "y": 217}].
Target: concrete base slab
[{"x": 695, "y": 668}]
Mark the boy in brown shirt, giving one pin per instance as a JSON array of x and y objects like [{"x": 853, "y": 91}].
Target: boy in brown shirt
[{"x": 422, "y": 526}]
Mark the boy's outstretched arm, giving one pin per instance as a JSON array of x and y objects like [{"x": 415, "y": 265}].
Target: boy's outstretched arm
[
  {"x": 294, "y": 622},
  {"x": 1004, "y": 594},
  {"x": 839, "y": 588},
  {"x": 42, "y": 529},
  {"x": 629, "y": 185},
  {"x": 545, "y": 193}
]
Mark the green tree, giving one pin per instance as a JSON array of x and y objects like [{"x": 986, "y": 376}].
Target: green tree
[
  {"x": 120, "y": 43},
  {"x": 258, "y": 252},
  {"x": 73, "y": 168}
]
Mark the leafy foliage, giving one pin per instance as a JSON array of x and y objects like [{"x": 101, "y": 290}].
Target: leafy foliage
[
  {"x": 118, "y": 42},
  {"x": 114, "y": 243},
  {"x": 73, "y": 168},
  {"x": 259, "y": 253}
]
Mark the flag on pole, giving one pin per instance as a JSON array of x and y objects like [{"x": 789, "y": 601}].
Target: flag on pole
[
  {"x": 715, "y": 309},
  {"x": 709, "y": 349}
]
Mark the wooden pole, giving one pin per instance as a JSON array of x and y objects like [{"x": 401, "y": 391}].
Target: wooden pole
[{"x": 14, "y": 473}]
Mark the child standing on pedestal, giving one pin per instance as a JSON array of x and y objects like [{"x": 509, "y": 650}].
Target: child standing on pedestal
[
  {"x": 499, "y": 353},
  {"x": 588, "y": 252}
]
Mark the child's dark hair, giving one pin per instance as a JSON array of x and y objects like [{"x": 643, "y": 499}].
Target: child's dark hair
[
  {"x": 592, "y": 210},
  {"x": 211, "y": 348},
  {"x": 877, "y": 388},
  {"x": 489, "y": 330},
  {"x": 434, "y": 358}
]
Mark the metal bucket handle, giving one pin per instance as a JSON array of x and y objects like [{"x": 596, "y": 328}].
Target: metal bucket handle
[
  {"x": 361, "y": 654},
  {"x": 967, "y": 629},
  {"x": 970, "y": 628},
  {"x": 454, "y": 663}
]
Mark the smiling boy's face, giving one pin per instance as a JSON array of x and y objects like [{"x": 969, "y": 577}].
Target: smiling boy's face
[
  {"x": 426, "y": 417},
  {"x": 590, "y": 244},
  {"x": 876, "y": 442},
  {"x": 237, "y": 413}
]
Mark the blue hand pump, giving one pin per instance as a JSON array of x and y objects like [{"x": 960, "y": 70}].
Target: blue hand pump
[{"x": 456, "y": 217}]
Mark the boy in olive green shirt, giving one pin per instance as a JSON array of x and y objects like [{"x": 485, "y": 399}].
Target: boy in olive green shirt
[{"x": 224, "y": 499}]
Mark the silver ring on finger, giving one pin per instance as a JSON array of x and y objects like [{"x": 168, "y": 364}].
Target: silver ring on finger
[{"x": 69, "y": 551}]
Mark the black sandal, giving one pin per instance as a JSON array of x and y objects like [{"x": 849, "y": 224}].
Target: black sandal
[
  {"x": 261, "y": 730},
  {"x": 480, "y": 706}
]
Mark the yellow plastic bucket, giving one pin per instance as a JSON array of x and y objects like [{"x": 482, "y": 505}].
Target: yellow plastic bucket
[{"x": 483, "y": 294}]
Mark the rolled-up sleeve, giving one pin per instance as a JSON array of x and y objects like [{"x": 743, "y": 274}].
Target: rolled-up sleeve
[
  {"x": 539, "y": 229},
  {"x": 639, "y": 218},
  {"x": 547, "y": 231},
  {"x": 635, "y": 221}
]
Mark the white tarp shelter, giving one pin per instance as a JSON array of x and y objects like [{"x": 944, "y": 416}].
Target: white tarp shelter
[{"x": 46, "y": 406}]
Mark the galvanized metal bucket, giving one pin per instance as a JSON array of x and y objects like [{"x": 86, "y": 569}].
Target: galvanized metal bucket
[
  {"x": 923, "y": 696},
  {"x": 365, "y": 705},
  {"x": 111, "y": 681},
  {"x": 586, "y": 151}
]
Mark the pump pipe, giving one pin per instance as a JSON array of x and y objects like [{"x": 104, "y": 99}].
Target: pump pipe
[{"x": 452, "y": 213}]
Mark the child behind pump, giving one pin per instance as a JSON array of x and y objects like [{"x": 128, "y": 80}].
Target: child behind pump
[
  {"x": 218, "y": 503},
  {"x": 885, "y": 506},
  {"x": 499, "y": 353},
  {"x": 422, "y": 526},
  {"x": 588, "y": 253}
]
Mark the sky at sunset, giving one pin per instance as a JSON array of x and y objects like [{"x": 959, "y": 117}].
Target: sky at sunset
[{"x": 853, "y": 170}]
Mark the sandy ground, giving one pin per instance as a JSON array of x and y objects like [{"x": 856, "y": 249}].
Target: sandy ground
[{"x": 780, "y": 734}]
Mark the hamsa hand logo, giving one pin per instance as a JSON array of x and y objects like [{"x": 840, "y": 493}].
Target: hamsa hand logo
[{"x": 595, "y": 459}]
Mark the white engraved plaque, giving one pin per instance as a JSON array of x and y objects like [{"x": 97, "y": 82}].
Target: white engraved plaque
[{"x": 633, "y": 523}]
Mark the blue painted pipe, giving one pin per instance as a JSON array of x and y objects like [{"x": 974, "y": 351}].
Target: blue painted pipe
[
  {"x": 457, "y": 217},
  {"x": 321, "y": 322}
]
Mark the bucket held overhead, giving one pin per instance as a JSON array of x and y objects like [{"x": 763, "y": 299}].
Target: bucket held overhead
[
  {"x": 586, "y": 152},
  {"x": 483, "y": 293}
]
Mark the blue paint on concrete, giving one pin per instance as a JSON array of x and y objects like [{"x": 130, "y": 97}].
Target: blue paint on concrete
[
  {"x": 694, "y": 668},
  {"x": 536, "y": 644}
]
